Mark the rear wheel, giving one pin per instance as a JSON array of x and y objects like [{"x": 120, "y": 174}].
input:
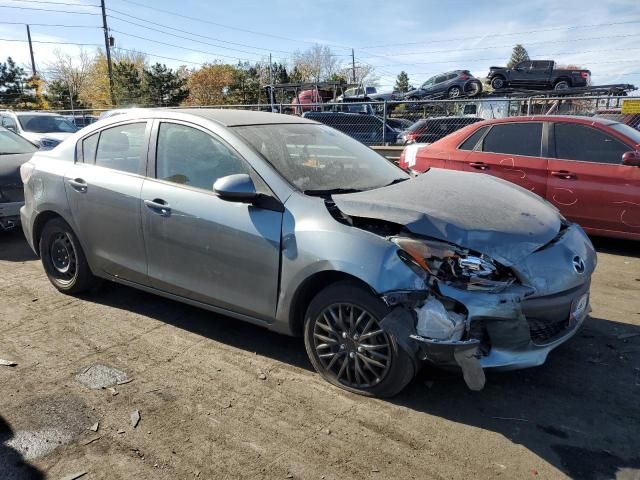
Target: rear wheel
[
  {"x": 63, "y": 259},
  {"x": 561, "y": 85},
  {"x": 347, "y": 346}
]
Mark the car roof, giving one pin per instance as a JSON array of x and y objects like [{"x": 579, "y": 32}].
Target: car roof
[
  {"x": 38, "y": 114},
  {"x": 224, "y": 117},
  {"x": 550, "y": 118}
]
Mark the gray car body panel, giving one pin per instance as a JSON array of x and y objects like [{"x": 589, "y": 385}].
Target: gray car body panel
[{"x": 265, "y": 256}]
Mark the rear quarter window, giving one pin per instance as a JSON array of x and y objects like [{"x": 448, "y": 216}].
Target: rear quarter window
[{"x": 472, "y": 141}]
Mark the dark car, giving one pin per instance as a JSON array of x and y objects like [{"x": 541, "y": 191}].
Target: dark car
[
  {"x": 367, "y": 129},
  {"x": 14, "y": 151},
  {"x": 429, "y": 130},
  {"x": 458, "y": 83},
  {"x": 399, "y": 124},
  {"x": 538, "y": 75},
  {"x": 82, "y": 121},
  {"x": 587, "y": 167}
]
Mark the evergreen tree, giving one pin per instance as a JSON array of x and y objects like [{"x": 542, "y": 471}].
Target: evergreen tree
[
  {"x": 402, "y": 82},
  {"x": 13, "y": 80},
  {"x": 518, "y": 55},
  {"x": 127, "y": 84},
  {"x": 164, "y": 86}
]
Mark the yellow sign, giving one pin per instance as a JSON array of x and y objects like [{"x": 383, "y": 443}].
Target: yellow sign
[{"x": 631, "y": 106}]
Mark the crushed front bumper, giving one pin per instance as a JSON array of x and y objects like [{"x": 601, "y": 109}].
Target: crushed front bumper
[{"x": 517, "y": 327}]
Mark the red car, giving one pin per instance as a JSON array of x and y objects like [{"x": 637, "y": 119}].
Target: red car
[{"x": 588, "y": 167}]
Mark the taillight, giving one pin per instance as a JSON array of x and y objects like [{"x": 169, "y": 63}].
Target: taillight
[
  {"x": 584, "y": 74},
  {"x": 26, "y": 169},
  {"x": 401, "y": 161},
  {"x": 464, "y": 77}
]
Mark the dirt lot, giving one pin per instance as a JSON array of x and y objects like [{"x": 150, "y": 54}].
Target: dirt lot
[{"x": 223, "y": 399}]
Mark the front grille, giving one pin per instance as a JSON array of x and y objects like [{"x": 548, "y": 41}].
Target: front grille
[{"x": 544, "y": 331}]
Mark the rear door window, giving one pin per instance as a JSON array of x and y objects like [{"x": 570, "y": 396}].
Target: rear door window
[
  {"x": 514, "y": 139},
  {"x": 122, "y": 147},
  {"x": 587, "y": 144},
  {"x": 471, "y": 142}
]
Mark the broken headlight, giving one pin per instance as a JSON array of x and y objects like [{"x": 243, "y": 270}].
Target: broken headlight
[{"x": 454, "y": 265}]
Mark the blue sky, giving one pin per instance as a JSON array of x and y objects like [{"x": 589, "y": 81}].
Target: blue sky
[{"x": 422, "y": 37}]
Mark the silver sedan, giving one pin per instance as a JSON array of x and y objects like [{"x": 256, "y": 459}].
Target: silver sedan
[{"x": 289, "y": 224}]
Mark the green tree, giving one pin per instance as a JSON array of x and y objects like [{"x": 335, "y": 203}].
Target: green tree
[
  {"x": 164, "y": 86},
  {"x": 402, "y": 82},
  {"x": 13, "y": 80},
  {"x": 519, "y": 54},
  {"x": 127, "y": 84}
]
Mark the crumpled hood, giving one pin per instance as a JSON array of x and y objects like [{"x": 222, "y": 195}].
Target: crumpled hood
[
  {"x": 472, "y": 210},
  {"x": 38, "y": 137}
]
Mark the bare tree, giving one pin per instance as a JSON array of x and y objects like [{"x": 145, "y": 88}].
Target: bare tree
[
  {"x": 316, "y": 64},
  {"x": 73, "y": 72},
  {"x": 365, "y": 74}
]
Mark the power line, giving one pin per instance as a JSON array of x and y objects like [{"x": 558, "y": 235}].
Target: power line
[
  {"x": 455, "y": 39},
  {"x": 48, "y": 10},
  {"x": 178, "y": 46},
  {"x": 185, "y": 31},
  {"x": 156, "y": 9},
  {"x": 49, "y": 25},
  {"x": 493, "y": 47}
]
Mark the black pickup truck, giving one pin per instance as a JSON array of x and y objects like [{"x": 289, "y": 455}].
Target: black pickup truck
[{"x": 537, "y": 75}]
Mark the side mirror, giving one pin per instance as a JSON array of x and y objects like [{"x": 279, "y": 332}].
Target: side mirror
[
  {"x": 631, "y": 159},
  {"x": 236, "y": 188},
  {"x": 12, "y": 128}
]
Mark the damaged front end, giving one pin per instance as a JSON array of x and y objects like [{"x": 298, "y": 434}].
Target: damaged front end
[{"x": 476, "y": 313}]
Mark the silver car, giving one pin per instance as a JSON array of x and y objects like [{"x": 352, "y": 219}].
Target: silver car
[{"x": 291, "y": 225}]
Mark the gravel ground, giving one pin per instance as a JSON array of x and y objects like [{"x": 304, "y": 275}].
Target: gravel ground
[{"x": 218, "y": 398}]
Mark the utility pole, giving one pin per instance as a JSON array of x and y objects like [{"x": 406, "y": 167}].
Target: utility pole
[
  {"x": 33, "y": 62},
  {"x": 353, "y": 66},
  {"x": 270, "y": 82},
  {"x": 108, "y": 49}
]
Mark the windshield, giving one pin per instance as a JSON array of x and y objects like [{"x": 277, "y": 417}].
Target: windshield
[
  {"x": 317, "y": 158},
  {"x": 46, "y": 124},
  {"x": 11, "y": 144},
  {"x": 428, "y": 83},
  {"x": 628, "y": 131}
]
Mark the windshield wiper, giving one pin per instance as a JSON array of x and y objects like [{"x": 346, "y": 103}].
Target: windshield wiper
[
  {"x": 331, "y": 191},
  {"x": 397, "y": 180}
]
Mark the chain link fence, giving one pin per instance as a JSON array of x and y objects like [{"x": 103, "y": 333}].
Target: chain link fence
[{"x": 399, "y": 123}]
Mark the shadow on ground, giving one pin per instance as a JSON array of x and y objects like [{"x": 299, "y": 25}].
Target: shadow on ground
[
  {"x": 12, "y": 464},
  {"x": 14, "y": 247}
]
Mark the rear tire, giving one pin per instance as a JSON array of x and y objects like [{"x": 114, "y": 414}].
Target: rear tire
[
  {"x": 562, "y": 85},
  {"x": 348, "y": 348},
  {"x": 63, "y": 258}
]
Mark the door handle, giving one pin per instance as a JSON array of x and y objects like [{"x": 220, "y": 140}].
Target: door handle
[
  {"x": 564, "y": 174},
  {"x": 479, "y": 165},
  {"x": 159, "y": 206},
  {"x": 78, "y": 184}
]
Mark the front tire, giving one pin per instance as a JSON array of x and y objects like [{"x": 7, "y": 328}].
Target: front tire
[
  {"x": 63, "y": 258},
  {"x": 348, "y": 348},
  {"x": 498, "y": 82},
  {"x": 454, "y": 92}
]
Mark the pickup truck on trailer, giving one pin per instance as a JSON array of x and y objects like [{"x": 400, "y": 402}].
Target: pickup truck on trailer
[{"x": 538, "y": 75}]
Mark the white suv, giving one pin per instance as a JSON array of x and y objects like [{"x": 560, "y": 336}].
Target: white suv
[{"x": 44, "y": 129}]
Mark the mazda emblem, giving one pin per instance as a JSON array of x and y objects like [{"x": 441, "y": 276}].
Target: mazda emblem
[{"x": 578, "y": 265}]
